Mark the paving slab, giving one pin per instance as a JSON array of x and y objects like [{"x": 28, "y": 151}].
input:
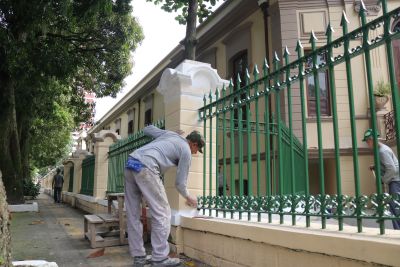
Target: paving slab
[{"x": 55, "y": 234}]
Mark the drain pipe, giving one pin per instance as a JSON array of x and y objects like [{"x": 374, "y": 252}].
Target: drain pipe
[{"x": 264, "y": 5}]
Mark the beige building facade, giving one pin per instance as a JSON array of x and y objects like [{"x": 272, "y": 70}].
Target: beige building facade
[{"x": 239, "y": 35}]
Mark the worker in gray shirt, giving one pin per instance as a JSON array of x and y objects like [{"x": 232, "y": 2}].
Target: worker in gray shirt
[
  {"x": 389, "y": 173},
  {"x": 142, "y": 179}
]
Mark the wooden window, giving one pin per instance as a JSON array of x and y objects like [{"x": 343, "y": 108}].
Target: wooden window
[
  {"x": 131, "y": 117},
  {"x": 323, "y": 89},
  {"x": 239, "y": 65},
  {"x": 148, "y": 114},
  {"x": 118, "y": 126}
]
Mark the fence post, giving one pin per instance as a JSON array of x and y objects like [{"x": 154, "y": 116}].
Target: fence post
[
  {"x": 102, "y": 142},
  {"x": 183, "y": 90},
  {"x": 77, "y": 158},
  {"x": 68, "y": 166}
]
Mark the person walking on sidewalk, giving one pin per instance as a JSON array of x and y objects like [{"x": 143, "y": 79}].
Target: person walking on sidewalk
[
  {"x": 142, "y": 178},
  {"x": 389, "y": 172},
  {"x": 57, "y": 185}
]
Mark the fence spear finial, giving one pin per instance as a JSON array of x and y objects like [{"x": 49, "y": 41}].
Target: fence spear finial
[
  {"x": 363, "y": 9},
  {"x": 344, "y": 20},
  {"x": 329, "y": 30},
  {"x": 276, "y": 58},
  {"x": 255, "y": 71},
  {"x": 313, "y": 37},
  {"x": 299, "y": 47}
]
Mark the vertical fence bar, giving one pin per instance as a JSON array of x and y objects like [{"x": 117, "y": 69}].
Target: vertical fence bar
[
  {"x": 217, "y": 185},
  {"x": 258, "y": 158},
  {"x": 290, "y": 111},
  {"x": 332, "y": 87},
  {"x": 279, "y": 131},
  {"x": 300, "y": 53},
  {"x": 267, "y": 138},
  {"x": 204, "y": 153},
  {"x": 313, "y": 40},
  {"x": 248, "y": 126},
  {"x": 392, "y": 75},
  {"x": 349, "y": 76},
  {"x": 240, "y": 126},
  {"x": 367, "y": 56},
  {"x": 210, "y": 154},
  {"x": 232, "y": 149},
  {"x": 224, "y": 149}
]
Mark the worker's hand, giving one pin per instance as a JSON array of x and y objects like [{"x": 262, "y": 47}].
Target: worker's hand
[
  {"x": 371, "y": 167},
  {"x": 191, "y": 201}
]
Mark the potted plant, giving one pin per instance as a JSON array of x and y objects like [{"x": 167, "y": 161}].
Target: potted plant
[{"x": 381, "y": 92}]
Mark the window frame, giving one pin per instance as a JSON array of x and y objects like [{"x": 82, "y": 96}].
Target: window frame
[{"x": 328, "y": 114}]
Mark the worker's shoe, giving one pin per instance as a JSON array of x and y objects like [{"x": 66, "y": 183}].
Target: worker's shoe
[
  {"x": 167, "y": 262},
  {"x": 141, "y": 261}
]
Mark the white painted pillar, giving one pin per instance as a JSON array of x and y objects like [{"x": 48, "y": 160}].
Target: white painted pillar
[
  {"x": 183, "y": 90},
  {"x": 102, "y": 140}
]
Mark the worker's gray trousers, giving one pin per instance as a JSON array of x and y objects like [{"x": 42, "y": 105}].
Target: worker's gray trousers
[{"x": 149, "y": 185}]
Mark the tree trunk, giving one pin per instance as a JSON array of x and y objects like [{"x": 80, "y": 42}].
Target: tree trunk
[
  {"x": 190, "y": 41},
  {"x": 5, "y": 237},
  {"x": 10, "y": 153}
]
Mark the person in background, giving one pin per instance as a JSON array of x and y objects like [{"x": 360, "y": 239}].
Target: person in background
[
  {"x": 57, "y": 185},
  {"x": 221, "y": 182},
  {"x": 389, "y": 172},
  {"x": 142, "y": 179}
]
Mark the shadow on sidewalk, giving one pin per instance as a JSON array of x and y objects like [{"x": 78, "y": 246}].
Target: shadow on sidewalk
[{"x": 55, "y": 234}]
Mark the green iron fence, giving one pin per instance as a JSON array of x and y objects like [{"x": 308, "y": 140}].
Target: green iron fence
[
  {"x": 118, "y": 154},
  {"x": 87, "y": 185},
  {"x": 264, "y": 164},
  {"x": 71, "y": 179}
]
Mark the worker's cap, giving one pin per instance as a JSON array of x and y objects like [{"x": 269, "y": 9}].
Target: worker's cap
[
  {"x": 369, "y": 134},
  {"x": 196, "y": 137}
]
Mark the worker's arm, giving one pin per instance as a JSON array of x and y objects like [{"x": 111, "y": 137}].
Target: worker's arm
[
  {"x": 390, "y": 167},
  {"x": 153, "y": 131}
]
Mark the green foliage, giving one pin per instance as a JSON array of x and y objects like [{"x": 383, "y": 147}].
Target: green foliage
[
  {"x": 31, "y": 189},
  {"x": 382, "y": 89},
  {"x": 203, "y": 12},
  {"x": 51, "y": 52}
]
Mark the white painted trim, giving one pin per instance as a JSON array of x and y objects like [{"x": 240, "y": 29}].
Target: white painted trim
[{"x": 34, "y": 207}]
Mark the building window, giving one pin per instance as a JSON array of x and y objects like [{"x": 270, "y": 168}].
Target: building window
[
  {"x": 239, "y": 65},
  {"x": 148, "y": 107},
  {"x": 323, "y": 89},
  {"x": 118, "y": 126},
  {"x": 131, "y": 118}
]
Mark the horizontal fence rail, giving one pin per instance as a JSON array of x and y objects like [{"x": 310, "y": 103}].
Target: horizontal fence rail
[
  {"x": 88, "y": 165},
  {"x": 262, "y": 165},
  {"x": 118, "y": 155}
]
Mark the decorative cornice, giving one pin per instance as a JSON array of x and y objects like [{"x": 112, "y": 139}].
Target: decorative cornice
[
  {"x": 189, "y": 78},
  {"x": 79, "y": 153},
  {"x": 103, "y": 134},
  {"x": 373, "y": 7}
]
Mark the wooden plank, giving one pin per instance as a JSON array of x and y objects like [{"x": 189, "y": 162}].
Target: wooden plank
[
  {"x": 108, "y": 217},
  {"x": 97, "y": 239},
  {"x": 91, "y": 218}
]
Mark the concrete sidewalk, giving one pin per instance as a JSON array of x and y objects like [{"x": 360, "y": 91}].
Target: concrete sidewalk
[{"x": 55, "y": 234}]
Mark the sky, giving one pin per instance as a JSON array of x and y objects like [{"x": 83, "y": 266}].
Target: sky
[{"x": 162, "y": 33}]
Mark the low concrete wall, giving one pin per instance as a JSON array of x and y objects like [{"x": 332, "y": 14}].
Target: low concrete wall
[
  {"x": 224, "y": 242},
  {"x": 86, "y": 203},
  {"x": 221, "y": 242}
]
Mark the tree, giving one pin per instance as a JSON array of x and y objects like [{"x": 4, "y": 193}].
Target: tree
[
  {"x": 5, "y": 236},
  {"x": 191, "y": 10},
  {"x": 78, "y": 44}
]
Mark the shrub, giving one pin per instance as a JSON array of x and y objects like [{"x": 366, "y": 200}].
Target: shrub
[
  {"x": 382, "y": 89},
  {"x": 31, "y": 189}
]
